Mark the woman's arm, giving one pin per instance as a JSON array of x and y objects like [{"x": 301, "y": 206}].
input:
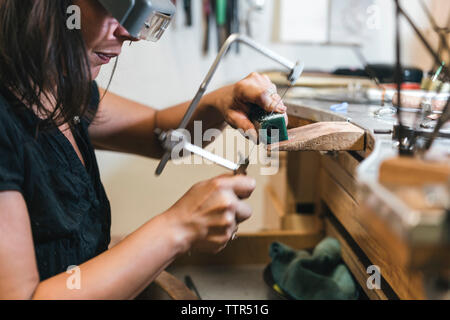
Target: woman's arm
[
  {"x": 115, "y": 274},
  {"x": 126, "y": 126},
  {"x": 205, "y": 218}
]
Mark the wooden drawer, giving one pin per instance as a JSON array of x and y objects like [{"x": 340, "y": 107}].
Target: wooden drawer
[
  {"x": 342, "y": 167},
  {"x": 348, "y": 213},
  {"x": 356, "y": 264}
]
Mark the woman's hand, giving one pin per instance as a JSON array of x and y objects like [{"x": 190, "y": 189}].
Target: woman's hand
[
  {"x": 208, "y": 215},
  {"x": 234, "y": 102}
]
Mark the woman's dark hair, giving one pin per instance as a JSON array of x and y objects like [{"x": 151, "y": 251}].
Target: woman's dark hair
[{"x": 40, "y": 58}]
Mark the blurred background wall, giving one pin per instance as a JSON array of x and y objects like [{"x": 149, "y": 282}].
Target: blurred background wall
[{"x": 169, "y": 72}]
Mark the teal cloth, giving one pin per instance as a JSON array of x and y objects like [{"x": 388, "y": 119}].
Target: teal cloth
[{"x": 320, "y": 276}]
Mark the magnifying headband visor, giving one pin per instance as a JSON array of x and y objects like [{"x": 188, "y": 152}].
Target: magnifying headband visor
[{"x": 143, "y": 19}]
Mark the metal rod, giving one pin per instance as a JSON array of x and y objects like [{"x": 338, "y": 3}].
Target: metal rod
[
  {"x": 227, "y": 164},
  {"x": 399, "y": 77},
  {"x": 445, "y": 117},
  {"x": 191, "y": 286},
  {"x": 370, "y": 72},
  {"x": 435, "y": 26}
]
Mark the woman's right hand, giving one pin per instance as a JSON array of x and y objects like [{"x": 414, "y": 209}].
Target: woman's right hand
[{"x": 207, "y": 216}]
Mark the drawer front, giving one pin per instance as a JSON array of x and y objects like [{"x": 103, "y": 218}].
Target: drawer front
[
  {"x": 342, "y": 168},
  {"x": 356, "y": 264},
  {"x": 349, "y": 214}
]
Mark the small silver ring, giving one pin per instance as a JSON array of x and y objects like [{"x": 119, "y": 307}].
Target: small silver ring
[{"x": 234, "y": 236}]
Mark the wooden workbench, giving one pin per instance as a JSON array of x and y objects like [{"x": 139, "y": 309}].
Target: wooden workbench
[{"x": 339, "y": 191}]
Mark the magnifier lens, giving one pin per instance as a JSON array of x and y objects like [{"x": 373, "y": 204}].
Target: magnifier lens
[{"x": 155, "y": 26}]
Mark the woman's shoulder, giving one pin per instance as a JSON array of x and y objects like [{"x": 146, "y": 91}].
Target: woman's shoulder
[
  {"x": 6, "y": 112},
  {"x": 9, "y": 121}
]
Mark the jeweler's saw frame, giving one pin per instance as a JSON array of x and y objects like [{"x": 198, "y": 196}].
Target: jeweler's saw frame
[{"x": 173, "y": 138}]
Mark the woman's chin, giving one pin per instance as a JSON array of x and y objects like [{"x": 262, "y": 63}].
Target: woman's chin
[{"x": 95, "y": 72}]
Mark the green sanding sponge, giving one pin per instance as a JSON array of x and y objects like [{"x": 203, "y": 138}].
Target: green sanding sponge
[{"x": 271, "y": 126}]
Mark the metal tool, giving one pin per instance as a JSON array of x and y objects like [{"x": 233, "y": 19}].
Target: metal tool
[
  {"x": 443, "y": 119},
  {"x": 187, "y": 5},
  {"x": 254, "y": 6},
  {"x": 207, "y": 14},
  {"x": 235, "y": 23},
  {"x": 296, "y": 70},
  {"x": 191, "y": 286},
  {"x": 176, "y": 139},
  {"x": 143, "y": 19},
  {"x": 221, "y": 20}
]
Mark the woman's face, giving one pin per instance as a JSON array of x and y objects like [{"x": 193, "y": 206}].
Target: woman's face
[{"x": 102, "y": 33}]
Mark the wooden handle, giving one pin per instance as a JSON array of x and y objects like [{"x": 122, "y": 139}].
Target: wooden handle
[
  {"x": 176, "y": 289},
  {"x": 323, "y": 136}
]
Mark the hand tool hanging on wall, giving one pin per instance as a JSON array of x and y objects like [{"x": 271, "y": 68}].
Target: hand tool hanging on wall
[
  {"x": 187, "y": 4},
  {"x": 207, "y": 16},
  {"x": 233, "y": 22},
  {"x": 174, "y": 22},
  {"x": 254, "y": 6},
  {"x": 221, "y": 19}
]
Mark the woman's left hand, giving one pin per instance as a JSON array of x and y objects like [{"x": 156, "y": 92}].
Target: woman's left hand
[{"x": 235, "y": 102}]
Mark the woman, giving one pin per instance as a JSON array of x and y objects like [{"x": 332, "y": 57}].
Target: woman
[{"x": 54, "y": 212}]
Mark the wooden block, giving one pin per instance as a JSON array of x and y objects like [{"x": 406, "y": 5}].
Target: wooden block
[
  {"x": 412, "y": 171},
  {"x": 323, "y": 136}
]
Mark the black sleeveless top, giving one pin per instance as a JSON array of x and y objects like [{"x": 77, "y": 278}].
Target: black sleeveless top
[{"x": 69, "y": 211}]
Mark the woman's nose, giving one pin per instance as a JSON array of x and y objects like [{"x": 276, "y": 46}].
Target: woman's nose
[{"x": 122, "y": 33}]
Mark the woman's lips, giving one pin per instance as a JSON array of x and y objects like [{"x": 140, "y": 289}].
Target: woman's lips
[{"x": 104, "y": 58}]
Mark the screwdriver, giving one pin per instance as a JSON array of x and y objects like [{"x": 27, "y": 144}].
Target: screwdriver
[{"x": 188, "y": 11}]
